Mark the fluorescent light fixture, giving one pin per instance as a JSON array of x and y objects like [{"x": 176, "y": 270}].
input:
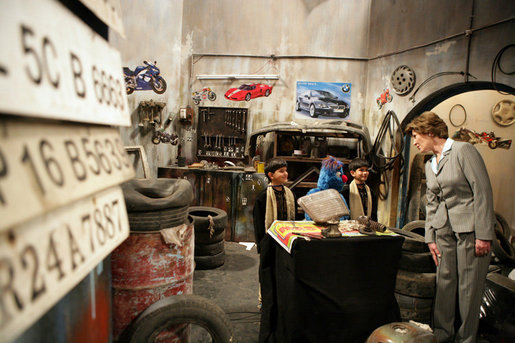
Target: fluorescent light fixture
[{"x": 240, "y": 77}]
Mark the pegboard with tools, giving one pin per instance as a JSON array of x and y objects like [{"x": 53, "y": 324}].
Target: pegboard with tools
[{"x": 221, "y": 132}]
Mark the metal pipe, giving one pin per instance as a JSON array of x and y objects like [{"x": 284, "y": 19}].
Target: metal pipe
[{"x": 469, "y": 42}]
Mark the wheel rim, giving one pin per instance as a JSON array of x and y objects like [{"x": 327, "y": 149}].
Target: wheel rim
[
  {"x": 312, "y": 110},
  {"x": 247, "y": 97}
]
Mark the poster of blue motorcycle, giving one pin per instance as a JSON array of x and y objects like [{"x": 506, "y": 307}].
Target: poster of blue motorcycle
[{"x": 146, "y": 77}]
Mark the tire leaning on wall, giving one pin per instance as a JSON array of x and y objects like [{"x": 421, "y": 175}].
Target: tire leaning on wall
[{"x": 210, "y": 224}]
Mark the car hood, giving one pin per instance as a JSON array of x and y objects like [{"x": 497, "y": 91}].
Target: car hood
[
  {"x": 232, "y": 91},
  {"x": 312, "y": 126},
  {"x": 331, "y": 101}
]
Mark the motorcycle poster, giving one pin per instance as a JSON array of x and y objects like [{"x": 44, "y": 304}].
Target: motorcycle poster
[
  {"x": 322, "y": 100},
  {"x": 145, "y": 77}
]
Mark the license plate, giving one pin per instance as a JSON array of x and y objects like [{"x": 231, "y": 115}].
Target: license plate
[
  {"x": 45, "y": 165},
  {"x": 54, "y": 66},
  {"x": 43, "y": 259},
  {"x": 338, "y": 111},
  {"x": 109, "y": 11}
]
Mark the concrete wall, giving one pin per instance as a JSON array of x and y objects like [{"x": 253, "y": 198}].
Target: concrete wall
[
  {"x": 153, "y": 33},
  {"x": 413, "y": 33},
  {"x": 360, "y": 42}
]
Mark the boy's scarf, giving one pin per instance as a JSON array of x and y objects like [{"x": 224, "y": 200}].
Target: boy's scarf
[
  {"x": 356, "y": 207},
  {"x": 271, "y": 206}
]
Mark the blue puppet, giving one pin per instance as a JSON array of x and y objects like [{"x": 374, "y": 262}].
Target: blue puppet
[{"x": 331, "y": 176}]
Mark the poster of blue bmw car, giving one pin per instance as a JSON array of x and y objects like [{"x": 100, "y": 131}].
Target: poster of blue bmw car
[{"x": 322, "y": 100}]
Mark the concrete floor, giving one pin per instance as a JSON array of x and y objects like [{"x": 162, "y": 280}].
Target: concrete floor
[{"x": 234, "y": 287}]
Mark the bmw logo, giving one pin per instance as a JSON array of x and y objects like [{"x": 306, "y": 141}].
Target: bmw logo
[{"x": 345, "y": 88}]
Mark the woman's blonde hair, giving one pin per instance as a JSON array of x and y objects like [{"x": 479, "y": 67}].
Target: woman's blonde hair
[{"x": 426, "y": 123}]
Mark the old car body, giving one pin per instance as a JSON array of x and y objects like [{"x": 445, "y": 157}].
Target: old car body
[
  {"x": 248, "y": 91},
  {"x": 321, "y": 102},
  {"x": 337, "y": 128}
]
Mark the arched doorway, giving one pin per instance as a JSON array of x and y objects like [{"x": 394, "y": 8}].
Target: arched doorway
[{"x": 428, "y": 104}]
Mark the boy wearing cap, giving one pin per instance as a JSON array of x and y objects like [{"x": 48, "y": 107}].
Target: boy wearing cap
[
  {"x": 359, "y": 196},
  {"x": 276, "y": 202}
]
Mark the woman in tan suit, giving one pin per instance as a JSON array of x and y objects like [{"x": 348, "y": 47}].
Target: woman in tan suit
[{"x": 459, "y": 226}]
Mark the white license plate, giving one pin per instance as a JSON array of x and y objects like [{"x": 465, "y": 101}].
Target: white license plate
[
  {"x": 338, "y": 111},
  {"x": 109, "y": 11},
  {"x": 43, "y": 259},
  {"x": 45, "y": 165},
  {"x": 54, "y": 66}
]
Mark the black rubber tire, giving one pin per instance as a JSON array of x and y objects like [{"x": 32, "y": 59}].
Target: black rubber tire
[
  {"x": 422, "y": 285},
  {"x": 414, "y": 308},
  {"x": 418, "y": 262},
  {"x": 412, "y": 242},
  {"x": 421, "y": 316},
  {"x": 416, "y": 226},
  {"x": 156, "y": 194},
  {"x": 180, "y": 309},
  {"x": 408, "y": 302},
  {"x": 209, "y": 249},
  {"x": 157, "y": 220},
  {"x": 502, "y": 225},
  {"x": 206, "y": 238},
  {"x": 203, "y": 234},
  {"x": 200, "y": 215},
  {"x": 210, "y": 262},
  {"x": 502, "y": 249},
  {"x": 161, "y": 86}
]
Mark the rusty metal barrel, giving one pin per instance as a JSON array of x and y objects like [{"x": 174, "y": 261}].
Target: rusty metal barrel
[{"x": 157, "y": 259}]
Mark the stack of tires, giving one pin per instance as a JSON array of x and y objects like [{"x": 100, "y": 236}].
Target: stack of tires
[
  {"x": 416, "y": 276},
  {"x": 156, "y": 204},
  {"x": 503, "y": 251},
  {"x": 210, "y": 224}
]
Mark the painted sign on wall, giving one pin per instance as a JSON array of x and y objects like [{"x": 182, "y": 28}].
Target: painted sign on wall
[{"x": 322, "y": 100}]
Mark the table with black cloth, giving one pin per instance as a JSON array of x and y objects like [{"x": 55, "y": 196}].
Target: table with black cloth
[{"x": 328, "y": 290}]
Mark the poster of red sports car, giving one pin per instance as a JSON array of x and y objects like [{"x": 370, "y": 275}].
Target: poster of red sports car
[{"x": 248, "y": 91}]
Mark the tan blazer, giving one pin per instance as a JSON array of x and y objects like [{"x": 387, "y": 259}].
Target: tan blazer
[{"x": 460, "y": 192}]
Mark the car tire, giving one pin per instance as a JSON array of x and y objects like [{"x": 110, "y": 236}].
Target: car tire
[
  {"x": 420, "y": 262},
  {"x": 416, "y": 226},
  {"x": 267, "y": 92},
  {"x": 297, "y": 106},
  {"x": 180, "y": 309},
  {"x": 312, "y": 111},
  {"x": 248, "y": 97},
  {"x": 209, "y": 249},
  {"x": 412, "y": 241},
  {"x": 209, "y": 262},
  {"x": 422, "y": 285},
  {"x": 502, "y": 249}
]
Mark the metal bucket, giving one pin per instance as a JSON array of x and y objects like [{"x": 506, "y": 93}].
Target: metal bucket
[{"x": 145, "y": 269}]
